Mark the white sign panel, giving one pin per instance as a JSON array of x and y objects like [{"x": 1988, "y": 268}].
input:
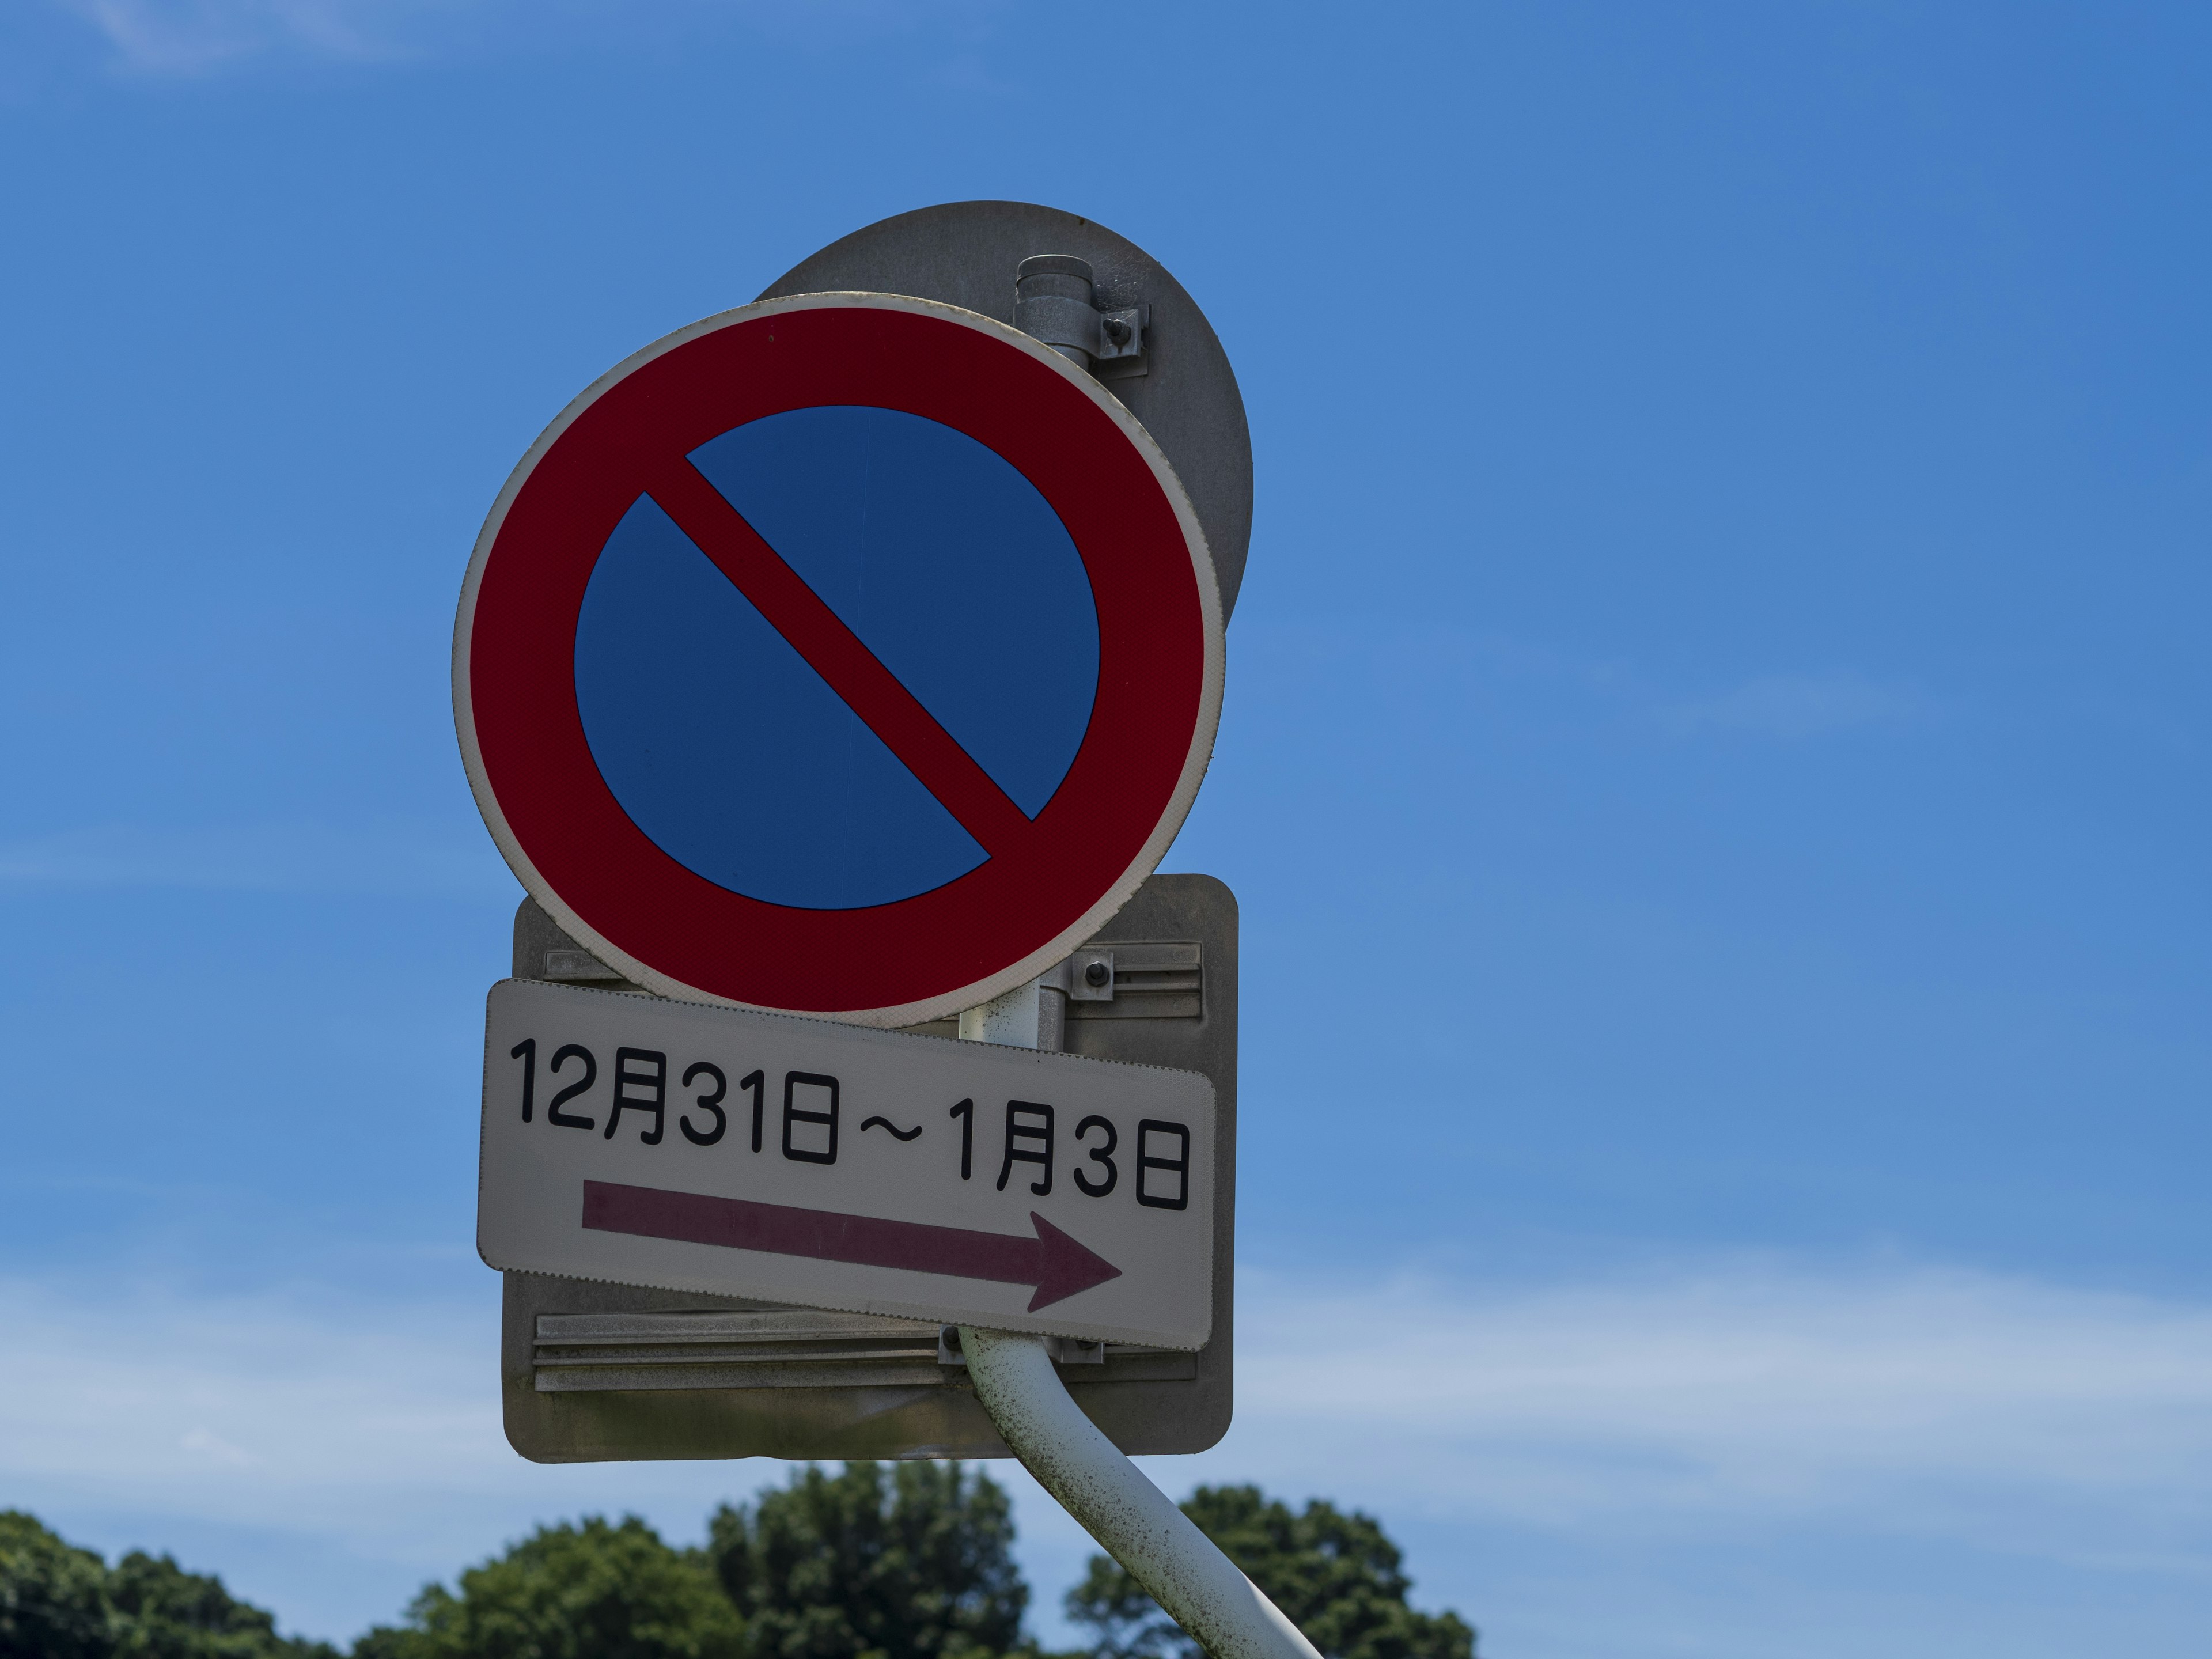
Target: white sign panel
[{"x": 672, "y": 1145}]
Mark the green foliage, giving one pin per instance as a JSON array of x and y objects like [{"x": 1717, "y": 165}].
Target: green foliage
[
  {"x": 593, "y": 1591},
  {"x": 909, "y": 1562},
  {"x": 900, "y": 1561},
  {"x": 162, "y": 1612},
  {"x": 1337, "y": 1577},
  {"x": 53, "y": 1596},
  {"x": 58, "y": 1601}
]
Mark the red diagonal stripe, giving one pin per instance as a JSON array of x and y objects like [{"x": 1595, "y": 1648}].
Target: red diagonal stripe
[{"x": 834, "y": 652}]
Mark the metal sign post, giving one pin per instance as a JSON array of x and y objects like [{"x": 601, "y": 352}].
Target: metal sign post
[
  {"x": 1228, "y": 1615},
  {"x": 833, "y": 673}
]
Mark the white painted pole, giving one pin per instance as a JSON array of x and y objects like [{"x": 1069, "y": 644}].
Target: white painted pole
[
  {"x": 1179, "y": 1566},
  {"x": 1131, "y": 1519}
]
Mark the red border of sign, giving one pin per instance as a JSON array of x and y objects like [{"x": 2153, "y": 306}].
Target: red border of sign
[{"x": 1125, "y": 794}]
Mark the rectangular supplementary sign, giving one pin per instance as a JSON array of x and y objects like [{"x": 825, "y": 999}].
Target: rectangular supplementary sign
[{"x": 692, "y": 1148}]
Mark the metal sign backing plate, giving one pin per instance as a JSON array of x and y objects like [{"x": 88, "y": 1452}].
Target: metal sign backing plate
[
  {"x": 965, "y": 254},
  {"x": 597, "y": 1371}
]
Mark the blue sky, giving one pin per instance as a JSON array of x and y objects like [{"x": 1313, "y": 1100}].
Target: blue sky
[{"x": 1714, "y": 763}]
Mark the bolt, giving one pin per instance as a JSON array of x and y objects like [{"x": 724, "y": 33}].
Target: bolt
[
  {"x": 1096, "y": 975},
  {"x": 1116, "y": 330}
]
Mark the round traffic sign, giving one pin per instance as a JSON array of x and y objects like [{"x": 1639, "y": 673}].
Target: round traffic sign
[{"x": 849, "y": 655}]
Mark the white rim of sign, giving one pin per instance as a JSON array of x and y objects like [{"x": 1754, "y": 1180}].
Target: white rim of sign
[{"x": 1037, "y": 961}]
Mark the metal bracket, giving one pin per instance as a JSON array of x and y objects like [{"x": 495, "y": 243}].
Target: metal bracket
[
  {"x": 1090, "y": 977},
  {"x": 1162, "y": 979},
  {"x": 1056, "y": 299},
  {"x": 1064, "y": 1349},
  {"x": 577, "y": 967},
  {"x": 1085, "y": 976}
]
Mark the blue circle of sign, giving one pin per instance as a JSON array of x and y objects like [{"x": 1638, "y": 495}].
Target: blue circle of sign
[{"x": 735, "y": 758}]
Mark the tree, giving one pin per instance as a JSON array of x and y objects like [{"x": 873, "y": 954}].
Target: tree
[
  {"x": 589, "y": 1591},
  {"x": 53, "y": 1596},
  {"x": 911, "y": 1563},
  {"x": 162, "y": 1612},
  {"x": 1336, "y": 1576},
  {"x": 58, "y": 1601}
]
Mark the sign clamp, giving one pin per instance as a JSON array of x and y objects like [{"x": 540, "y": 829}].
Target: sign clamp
[{"x": 1056, "y": 299}]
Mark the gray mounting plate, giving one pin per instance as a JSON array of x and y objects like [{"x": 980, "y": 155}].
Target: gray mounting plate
[
  {"x": 592, "y": 1373},
  {"x": 963, "y": 254}
]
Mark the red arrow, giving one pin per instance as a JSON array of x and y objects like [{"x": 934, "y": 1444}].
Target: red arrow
[{"x": 1052, "y": 1262}]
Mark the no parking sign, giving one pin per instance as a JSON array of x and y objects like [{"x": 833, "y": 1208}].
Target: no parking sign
[{"x": 847, "y": 654}]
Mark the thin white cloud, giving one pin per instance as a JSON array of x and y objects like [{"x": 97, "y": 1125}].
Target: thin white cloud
[
  {"x": 1438, "y": 666},
  {"x": 1962, "y": 1409},
  {"x": 214, "y": 1446},
  {"x": 2002, "y": 1412},
  {"x": 359, "y": 1443},
  {"x": 1795, "y": 706},
  {"x": 183, "y": 38},
  {"x": 391, "y": 856},
  {"x": 191, "y": 37}
]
